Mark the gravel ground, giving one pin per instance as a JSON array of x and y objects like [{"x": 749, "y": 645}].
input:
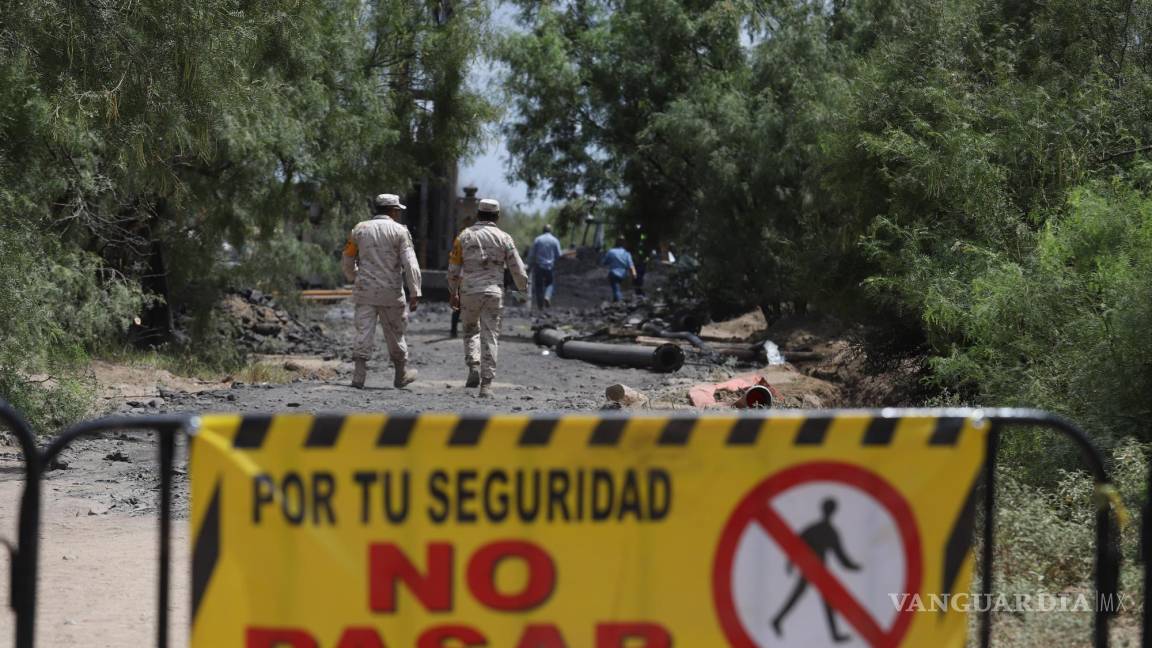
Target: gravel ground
[
  {"x": 98, "y": 556},
  {"x": 115, "y": 472},
  {"x": 529, "y": 378}
]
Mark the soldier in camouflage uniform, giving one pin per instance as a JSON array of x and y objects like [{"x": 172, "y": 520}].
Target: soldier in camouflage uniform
[
  {"x": 379, "y": 259},
  {"x": 476, "y": 284}
]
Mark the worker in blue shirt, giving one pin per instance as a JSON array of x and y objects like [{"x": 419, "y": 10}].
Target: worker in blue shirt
[
  {"x": 619, "y": 263},
  {"x": 542, "y": 264}
]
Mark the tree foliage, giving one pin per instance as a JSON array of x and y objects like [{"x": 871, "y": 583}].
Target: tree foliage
[
  {"x": 912, "y": 163},
  {"x": 136, "y": 139},
  {"x": 588, "y": 80}
]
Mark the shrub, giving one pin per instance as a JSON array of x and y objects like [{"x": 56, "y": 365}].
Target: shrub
[
  {"x": 1045, "y": 544},
  {"x": 56, "y": 307},
  {"x": 1064, "y": 329}
]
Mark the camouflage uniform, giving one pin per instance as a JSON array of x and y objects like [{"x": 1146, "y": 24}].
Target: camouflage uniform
[
  {"x": 378, "y": 252},
  {"x": 476, "y": 273}
]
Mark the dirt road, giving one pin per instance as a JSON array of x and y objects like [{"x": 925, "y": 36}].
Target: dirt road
[
  {"x": 99, "y": 527},
  {"x": 528, "y": 378},
  {"x": 99, "y": 533}
]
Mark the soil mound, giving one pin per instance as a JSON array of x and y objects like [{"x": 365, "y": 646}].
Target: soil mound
[{"x": 259, "y": 325}]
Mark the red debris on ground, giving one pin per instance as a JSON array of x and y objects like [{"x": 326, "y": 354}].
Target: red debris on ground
[{"x": 741, "y": 391}]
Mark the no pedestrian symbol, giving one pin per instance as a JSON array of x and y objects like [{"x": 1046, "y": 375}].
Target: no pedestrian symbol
[{"x": 813, "y": 556}]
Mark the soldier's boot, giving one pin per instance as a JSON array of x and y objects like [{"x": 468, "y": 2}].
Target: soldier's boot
[
  {"x": 473, "y": 377},
  {"x": 404, "y": 376},
  {"x": 485, "y": 389},
  {"x": 359, "y": 373}
]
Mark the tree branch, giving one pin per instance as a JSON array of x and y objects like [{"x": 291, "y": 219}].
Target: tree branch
[{"x": 1139, "y": 149}]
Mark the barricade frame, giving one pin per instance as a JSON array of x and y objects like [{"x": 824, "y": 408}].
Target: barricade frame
[{"x": 170, "y": 428}]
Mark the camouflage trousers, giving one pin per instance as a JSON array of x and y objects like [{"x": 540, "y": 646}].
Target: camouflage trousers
[
  {"x": 480, "y": 315},
  {"x": 394, "y": 321}
]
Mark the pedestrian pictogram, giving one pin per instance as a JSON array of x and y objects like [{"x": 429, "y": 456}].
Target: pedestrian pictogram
[
  {"x": 822, "y": 538},
  {"x": 812, "y": 556}
]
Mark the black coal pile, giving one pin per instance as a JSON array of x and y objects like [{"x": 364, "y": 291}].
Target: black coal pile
[
  {"x": 259, "y": 325},
  {"x": 624, "y": 319}
]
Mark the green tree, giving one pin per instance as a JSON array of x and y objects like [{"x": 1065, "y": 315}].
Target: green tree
[
  {"x": 147, "y": 135},
  {"x": 888, "y": 160},
  {"x": 587, "y": 79}
]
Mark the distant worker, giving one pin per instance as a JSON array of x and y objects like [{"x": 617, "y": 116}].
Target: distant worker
[
  {"x": 476, "y": 287},
  {"x": 379, "y": 260},
  {"x": 619, "y": 262},
  {"x": 542, "y": 265}
]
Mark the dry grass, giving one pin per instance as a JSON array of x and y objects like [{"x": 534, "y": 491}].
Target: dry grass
[{"x": 270, "y": 373}]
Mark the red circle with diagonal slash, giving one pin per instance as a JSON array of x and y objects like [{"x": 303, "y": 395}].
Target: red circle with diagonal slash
[{"x": 756, "y": 508}]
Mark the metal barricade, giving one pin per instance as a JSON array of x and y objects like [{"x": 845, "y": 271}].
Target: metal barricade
[{"x": 171, "y": 428}]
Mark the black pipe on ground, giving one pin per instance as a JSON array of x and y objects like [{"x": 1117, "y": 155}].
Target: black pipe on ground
[
  {"x": 686, "y": 336},
  {"x": 659, "y": 328},
  {"x": 549, "y": 337},
  {"x": 665, "y": 358}
]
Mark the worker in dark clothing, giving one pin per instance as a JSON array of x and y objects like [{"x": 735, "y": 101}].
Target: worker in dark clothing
[
  {"x": 822, "y": 538},
  {"x": 620, "y": 266}
]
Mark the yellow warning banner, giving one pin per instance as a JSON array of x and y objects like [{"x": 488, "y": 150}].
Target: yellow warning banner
[{"x": 367, "y": 531}]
